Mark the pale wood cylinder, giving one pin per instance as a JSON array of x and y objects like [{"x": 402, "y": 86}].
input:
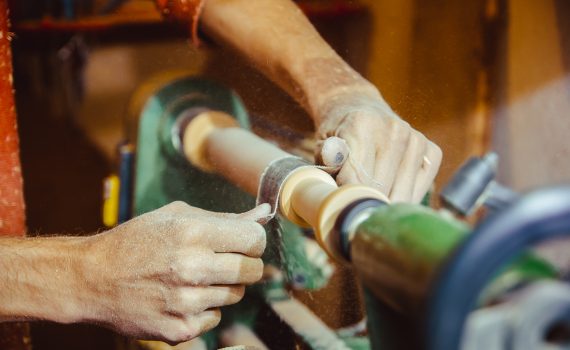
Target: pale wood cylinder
[
  {"x": 214, "y": 142},
  {"x": 241, "y": 156},
  {"x": 309, "y": 196}
]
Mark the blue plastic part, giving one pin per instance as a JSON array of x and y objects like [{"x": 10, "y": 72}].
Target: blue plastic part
[
  {"x": 535, "y": 218},
  {"x": 341, "y": 229},
  {"x": 126, "y": 166}
]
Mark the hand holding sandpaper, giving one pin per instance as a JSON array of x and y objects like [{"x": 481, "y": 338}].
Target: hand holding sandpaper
[{"x": 164, "y": 274}]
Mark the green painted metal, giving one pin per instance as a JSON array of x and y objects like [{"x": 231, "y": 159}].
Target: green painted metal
[
  {"x": 398, "y": 248},
  {"x": 527, "y": 268},
  {"x": 404, "y": 245},
  {"x": 396, "y": 251},
  {"x": 162, "y": 173}
]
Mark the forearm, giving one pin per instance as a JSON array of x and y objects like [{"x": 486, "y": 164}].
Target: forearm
[
  {"x": 279, "y": 40},
  {"x": 40, "y": 279}
]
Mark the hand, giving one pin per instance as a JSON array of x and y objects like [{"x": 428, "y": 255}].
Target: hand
[
  {"x": 164, "y": 274},
  {"x": 380, "y": 149}
]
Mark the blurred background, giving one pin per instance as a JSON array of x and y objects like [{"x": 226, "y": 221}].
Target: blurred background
[{"x": 472, "y": 75}]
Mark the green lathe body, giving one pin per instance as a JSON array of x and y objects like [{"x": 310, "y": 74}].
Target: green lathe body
[
  {"x": 396, "y": 251},
  {"x": 398, "y": 248}
]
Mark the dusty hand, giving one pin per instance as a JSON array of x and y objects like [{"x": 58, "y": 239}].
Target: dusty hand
[
  {"x": 164, "y": 275},
  {"x": 381, "y": 150}
]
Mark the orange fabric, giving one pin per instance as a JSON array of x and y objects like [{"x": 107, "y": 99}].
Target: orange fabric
[
  {"x": 183, "y": 10},
  {"x": 12, "y": 221}
]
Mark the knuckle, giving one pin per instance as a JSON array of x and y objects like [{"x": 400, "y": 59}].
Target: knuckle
[
  {"x": 216, "y": 317},
  {"x": 196, "y": 229},
  {"x": 179, "y": 333},
  {"x": 401, "y": 142},
  {"x": 202, "y": 323},
  {"x": 362, "y": 125},
  {"x": 438, "y": 153},
  {"x": 179, "y": 230},
  {"x": 402, "y": 130},
  {"x": 193, "y": 269},
  {"x": 419, "y": 138},
  {"x": 177, "y": 205},
  {"x": 185, "y": 298},
  {"x": 417, "y": 142},
  {"x": 259, "y": 241},
  {"x": 176, "y": 270},
  {"x": 363, "y": 117},
  {"x": 174, "y": 303}
]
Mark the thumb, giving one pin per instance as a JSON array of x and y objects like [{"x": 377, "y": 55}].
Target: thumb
[
  {"x": 260, "y": 214},
  {"x": 332, "y": 152}
]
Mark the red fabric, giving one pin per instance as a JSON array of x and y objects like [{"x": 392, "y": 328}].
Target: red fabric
[
  {"x": 12, "y": 221},
  {"x": 184, "y": 10}
]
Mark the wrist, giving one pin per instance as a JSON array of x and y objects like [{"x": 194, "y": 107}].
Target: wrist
[
  {"x": 91, "y": 296},
  {"x": 332, "y": 89},
  {"x": 41, "y": 279},
  {"x": 364, "y": 98}
]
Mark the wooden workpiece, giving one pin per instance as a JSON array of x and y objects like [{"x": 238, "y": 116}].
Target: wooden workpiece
[
  {"x": 309, "y": 197},
  {"x": 214, "y": 142}
]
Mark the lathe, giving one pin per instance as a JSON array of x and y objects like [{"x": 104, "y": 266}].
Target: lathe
[{"x": 430, "y": 280}]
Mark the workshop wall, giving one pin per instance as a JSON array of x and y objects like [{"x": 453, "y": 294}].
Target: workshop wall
[
  {"x": 480, "y": 75},
  {"x": 532, "y": 109},
  {"x": 428, "y": 60}
]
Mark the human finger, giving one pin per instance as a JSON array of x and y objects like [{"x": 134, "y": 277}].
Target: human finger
[
  {"x": 205, "y": 269},
  {"x": 195, "y": 299},
  {"x": 204, "y": 321},
  {"x": 237, "y": 269},
  {"x": 404, "y": 183},
  {"x": 187, "y": 327},
  {"x": 260, "y": 214},
  {"x": 256, "y": 214},
  {"x": 428, "y": 171},
  {"x": 185, "y": 209},
  {"x": 389, "y": 156},
  {"x": 234, "y": 236},
  {"x": 358, "y": 168}
]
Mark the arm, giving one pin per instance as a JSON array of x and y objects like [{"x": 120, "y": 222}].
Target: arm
[
  {"x": 39, "y": 278},
  {"x": 279, "y": 40},
  {"x": 385, "y": 152},
  {"x": 162, "y": 275}
]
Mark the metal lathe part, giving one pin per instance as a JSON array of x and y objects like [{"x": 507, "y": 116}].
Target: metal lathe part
[
  {"x": 522, "y": 323},
  {"x": 474, "y": 185},
  {"x": 499, "y": 196}
]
